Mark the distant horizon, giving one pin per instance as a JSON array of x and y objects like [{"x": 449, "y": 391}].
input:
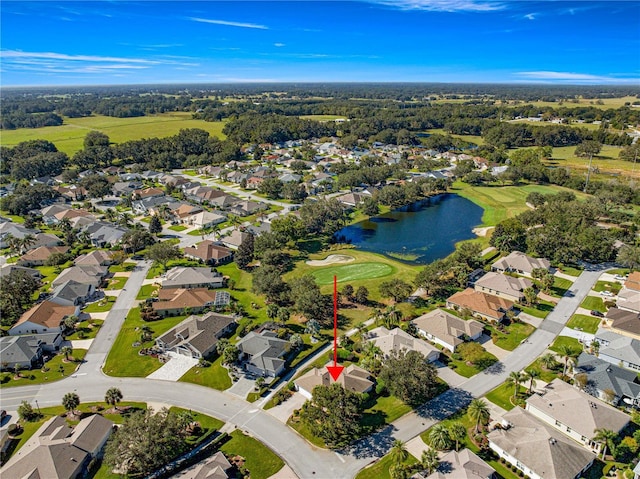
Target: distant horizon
[{"x": 118, "y": 43}]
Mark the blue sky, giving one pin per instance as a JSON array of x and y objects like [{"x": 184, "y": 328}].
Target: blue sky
[{"x": 99, "y": 42}]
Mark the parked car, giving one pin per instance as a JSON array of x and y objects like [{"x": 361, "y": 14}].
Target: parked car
[
  {"x": 619, "y": 277},
  {"x": 607, "y": 293},
  {"x": 597, "y": 313}
]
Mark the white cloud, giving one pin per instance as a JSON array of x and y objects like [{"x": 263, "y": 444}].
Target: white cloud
[
  {"x": 229, "y": 24},
  {"x": 545, "y": 75},
  {"x": 444, "y": 5},
  {"x": 17, "y": 54},
  {"x": 530, "y": 16},
  {"x": 278, "y": 44}
]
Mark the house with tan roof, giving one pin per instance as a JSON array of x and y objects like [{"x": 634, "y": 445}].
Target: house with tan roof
[
  {"x": 503, "y": 286},
  {"x": 205, "y": 219},
  {"x": 213, "y": 467},
  {"x": 460, "y": 465},
  {"x": 537, "y": 449},
  {"x": 397, "y": 340},
  {"x": 186, "y": 210},
  {"x": 518, "y": 262},
  {"x": 235, "y": 239},
  {"x": 44, "y": 317},
  {"x": 59, "y": 451},
  {"x": 197, "y": 336},
  {"x": 447, "y": 330},
  {"x": 575, "y": 413},
  {"x": 633, "y": 281},
  {"x": 95, "y": 258},
  {"x": 148, "y": 193},
  {"x": 482, "y": 305},
  {"x": 353, "y": 378},
  {"x": 86, "y": 274},
  {"x": 174, "y": 302},
  {"x": 628, "y": 299},
  {"x": 209, "y": 252},
  {"x": 40, "y": 255},
  {"x": 73, "y": 213},
  {"x": 189, "y": 277},
  {"x": 625, "y": 322}
]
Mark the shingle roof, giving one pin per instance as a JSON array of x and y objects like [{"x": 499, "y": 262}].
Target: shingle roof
[
  {"x": 71, "y": 290},
  {"x": 503, "y": 283},
  {"x": 18, "y": 349},
  {"x": 447, "y": 327},
  {"x": 462, "y": 465},
  {"x": 520, "y": 262},
  {"x": 46, "y": 314},
  {"x": 201, "y": 332},
  {"x": 477, "y": 301},
  {"x": 264, "y": 349},
  {"x": 97, "y": 257},
  {"x": 623, "y": 320},
  {"x": 182, "y": 276},
  {"x": 602, "y": 375},
  {"x": 207, "y": 250},
  {"x": 183, "y": 298},
  {"x": 620, "y": 347},
  {"x": 633, "y": 281},
  {"x": 397, "y": 339},
  {"x": 353, "y": 379},
  {"x": 42, "y": 253}
]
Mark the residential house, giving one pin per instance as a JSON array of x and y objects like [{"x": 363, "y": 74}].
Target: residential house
[
  {"x": 629, "y": 299},
  {"x": 152, "y": 175},
  {"x": 290, "y": 178},
  {"x": 188, "y": 277},
  {"x": 538, "y": 450},
  {"x": 40, "y": 255},
  {"x": 44, "y": 317},
  {"x": 460, "y": 465},
  {"x": 246, "y": 208},
  {"x": 575, "y": 413},
  {"x": 609, "y": 382},
  {"x": 504, "y": 286},
  {"x": 236, "y": 177},
  {"x": 93, "y": 275},
  {"x": 205, "y": 219},
  {"x": 517, "y": 262},
  {"x": 483, "y": 305},
  {"x": 224, "y": 202},
  {"x": 125, "y": 188},
  {"x": 104, "y": 235},
  {"x": 175, "y": 181},
  {"x": 620, "y": 350},
  {"x": 353, "y": 378},
  {"x": 235, "y": 239},
  {"x": 72, "y": 193},
  {"x": 73, "y": 214},
  {"x": 203, "y": 193},
  {"x": 59, "y": 451},
  {"x": 633, "y": 281},
  {"x": 197, "y": 336},
  {"x": 213, "y": 467},
  {"x": 45, "y": 239},
  {"x": 209, "y": 252},
  {"x": 49, "y": 213},
  {"x": 176, "y": 301},
  {"x": 351, "y": 199},
  {"x": 9, "y": 229},
  {"x": 625, "y": 322},
  {"x": 210, "y": 170},
  {"x": 447, "y": 330},
  {"x": 22, "y": 352},
  {"x": 184, "y": 211},
  {"x": 397, "y": 340},
  {"x": 95, "y": 258},
  {"x": 147, "y": 205},
  {"x": 72, "y": 293},
  {"x": 262, "y": 353},
  {"x": 146, "y": 193},
  {"x": 7, "y": 269}
]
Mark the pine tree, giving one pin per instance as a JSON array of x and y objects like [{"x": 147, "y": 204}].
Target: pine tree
[{"x": 244, "y": 255}]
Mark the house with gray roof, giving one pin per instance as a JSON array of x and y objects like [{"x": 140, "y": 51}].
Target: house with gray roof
[
  {"x": 460, "y": 465},
  {"x": 197, "y": 336},
  {"x": 397, "y": 340},
  {"x": 620, "y": 350},
  {"x": 8, "y": 229},
  {"x": 353, "y": 378},
  {"x": 629, "y": 299},
  {"x": 447, "y": 330},
  {"x": 95, "y": 258},
  {"x": 538, "y": 450},
  {"x": 604, "y": 378},
  {"x": 262, "y": 353},
  {"x": 575, "y": 413},
  {"x": 72, "y": 293},
  {"x": 189, "y": 277},
  {"x": 7, "y": 269},
  {"x": 23, "y": 352},
  {"x": 235, "y": 239},
  {"x": 105, "y": 234},
  {"x": 518, "y": 262},
  {"x": 503, "y": 285},
  {"x": 213, "y": 467},
  {"x": 92, "y": 275}
]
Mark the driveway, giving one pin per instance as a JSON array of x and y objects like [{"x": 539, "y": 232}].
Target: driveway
[
  {"x": 242, "y": 387},
  {"x": 490, "y": 346},
  {"x": 530, "y": 319},
  {"x": 284, "y": 410},
  {"x": 449, "y": 376},
  {"x": 175, "y": 368}
]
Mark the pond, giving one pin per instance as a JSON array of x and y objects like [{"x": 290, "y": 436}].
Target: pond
[{"x": 418, "y": 233}]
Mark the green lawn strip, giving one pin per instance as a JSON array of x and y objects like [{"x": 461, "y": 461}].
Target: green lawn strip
[
  {"x": 123, "y": 359},
  {"x": 178, "y": 228},
  {"x": 581, "y": 322},
  {"x": 347, "y": 273},
  {"x": 546, "y": 375},
  {"x": 620, "y": 271},
  {"x": 122, "y": 268},
  {"x": 208, "y": 424},
  {"x": 384, "y": 410},
  {"x": 614, "y": 287},
  {"x": 215, "y": 376},
  {"x": 101, "y": 306},
  {"x": 147, "y": 290},
  {"x": 37, "y": 376},
  {"x": 462, "y": 368},
  {"x": 5, "y": 213},
  {"x": 540, "y": 310},
  {"x": 381, "y": 468},
  {"x": 86, "y": 329},
  {"x": 594, "y": 303},
  {"x": 570, "y": 270},
  {"x": 259, "y": 459},
  {"x": 308, "y": 350},
  {"x": 560, "y": 286},
  {"x": 565, "y": 341},
  {"x": 516, "y": 333},
  {"x": 49, "y": 273},
  {"x": 502, "y": 395},
  {"x": 116, "y": 283},
  {"x": 242, "y": 292},
  {"x": 295, "y": 423}
]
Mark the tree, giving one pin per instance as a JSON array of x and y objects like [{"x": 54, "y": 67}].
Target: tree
[
  {"x": 70, "y": 401},
  {"x": 409, "y": 377},
  {"x": 296, "y": 342},
  {"x": 244, "y": 255},
  {"x": 588, "y": 149},
  {"x": 97, "y": 186},
  {"x": 439, "y": 438},
  {"x": 530, "y": 296},
  {"x": 362, "y": 295},
  {"x": 66, "y": 350},
  {"x": 347, "y": 291},
  {"x": 163, "y": 252},
  {"x": 429, "y": 460},
  {"x": 135, "y": 240},
  {"x": 581, "y": 380},
  {"x": 396, "y": 289},
  {"x": 457, "y": 432},
  {"x": 271, "y": 187},
  {"x": 531, "y": 375},
  {"x": 478, "y": 412},
  {"x": 370, "y": 207},
  {"x": 398, "y": 452},
  {"x": 548, "y": 361},
  {"x": 155, "y": 226},
  {"x": 333, "y": 414},
  {"x": 267, "y": 281},
  {"x": 113, "y": 396},
  {"x": 27, "y": 413},
  {"x": 230, "y": 354},
  {"x": 606, "y": 437},
  {"x": 544, "y": 277},
  {"x": 509, "y": 235},
  {"x": 312, "y": 327},
  {"x": 515, "y": 378},
  {"x": 145, "y": 442},
  {"x": 629, "y": 256},
  {"x": 16, "y": 290}
]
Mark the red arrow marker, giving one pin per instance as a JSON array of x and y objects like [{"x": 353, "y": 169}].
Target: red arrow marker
[{"x": 336, "y": 369}]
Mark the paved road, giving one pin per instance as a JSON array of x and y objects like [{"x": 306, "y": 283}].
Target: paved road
[{"x": 306, "y": 461}]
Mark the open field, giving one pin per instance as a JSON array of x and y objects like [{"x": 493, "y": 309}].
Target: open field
[
  {"x": 606, "y": 102},
  {"x": 478, "y": 140},
  {"x": 69, "y": 136},
  {"x": 322, "y": 117},
  {"x": 352, "y": 272},
  {"x": 606, "y": 161}
]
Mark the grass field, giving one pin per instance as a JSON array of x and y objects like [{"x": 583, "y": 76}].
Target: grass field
[
  {"x": 380, "y": 469},
  {"x": 592, "y": 302},
  {"x": 565, "y": 341},
  {"x": 51, "y": 374},
  {"x": 105, "y": 304},
  {"x": 86, "y": 329},
  {"x": 478, "y": 140},
  {"x": 606, "y": 161},
  {"x": 501, "y": 396},
  {"x": 352, "y": 272},
  {"x": 259, "y": 459},
  {"x": 581, "y": 322},
  {"x": 69, "y": 137},
  {"x": 215, "y": 376},
  {"x": 322, "y": 117}
]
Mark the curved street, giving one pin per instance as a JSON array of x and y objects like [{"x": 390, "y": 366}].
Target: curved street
[{"x": 307, "y": 461}]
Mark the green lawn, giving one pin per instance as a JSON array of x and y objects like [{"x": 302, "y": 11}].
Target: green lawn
[
  {"x": 614, "y": 287},
  {"x": 102, "y": 306},
  {"x": 565, "y": 341},
  {"x": 86, "y": 329},
  {"x": 560, "y": 286},
  {"x": 215, "y": 376},
  {"x": 606, "y": 161},
  {"x": 69, "y": 137},
  {"x": 351, "y": 272},
  {"x": 208, "y": 424},
  {"x": 259, "y": 459},
  {"x": 123, "y": 359},
  {"x": 594, "y": 303},
  {"x": 178, "y": 228},
  {"x": 581, "y": 322},
  {"x": 546, "y": 375},
  {"x": 501, "y": 396},
  {"x": 48, "y": 374},
  {"x": 322, "y": 117},
  {"x": 122, "y": 268},
  {"x": 116, "y": 283},
  {"x": 540, "y": 310},
  {"x": 385, "y": 410},
  {"x": 516, "y": 333},
  {"x": 570, "y": 270},
  {"x": 146, "y": 291},
  {"x": 380, "y": 469}
]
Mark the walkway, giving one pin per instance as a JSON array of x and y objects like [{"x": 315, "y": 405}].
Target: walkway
[{"x": 175, "y": 368}]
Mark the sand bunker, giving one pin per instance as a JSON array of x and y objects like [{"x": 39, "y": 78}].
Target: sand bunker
[
  {"x": 483, "y": 231},
  {"x": 332, "y": 259}
]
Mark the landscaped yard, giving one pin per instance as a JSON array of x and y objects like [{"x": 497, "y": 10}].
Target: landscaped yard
[
  {"x": 215, "y": 376},
  {"x": 502, "y": 395},
  {"x": 122, "y": 268},
  {"x": 385, "y": 410},
  {"x": 560, "y": 286},
  {"x": 540, "y": 310},
  {"x": 614, "y": 287},
  {"x": 380, "y": 470},
  {"x": 581, "y": 322},
  {"x": 562, "y": 341},
  {"x": 103, "y": 305},
  {"x": 86, "y": 329},
  {"x": 147, "y": 290},
  {"x": 116, "y": 283},
  {"x": 516, "y": 333},
  {"x": 594, "y": 303},
  {"x": 50, "y": 373},
  {"x": 208, "y": 424},
  {"x": 178, "y": 227},
  {"x": 259, "y": 459}
]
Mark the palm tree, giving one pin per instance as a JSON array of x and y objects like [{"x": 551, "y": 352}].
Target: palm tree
[
  {"x": 64, "y": 225},
  {"x": 215, "y": 229},
  {"x": 125, "y": 219},
  {"x": 515, "y": 378},
  {"x": 569, "y": 354},
  {"x": 70, "y": 401},
  {"x": 429, "y": 460},
  {"x": 457, "y": 432},
  {"x": 13, "y": 243},
  {"x": 392, "y": 317},
  {"x": 26, "y": 242},
  {"x": 439, "y": 437},
  {"x": 531, "y": 375},
  {"x": 66, "y": 350},
  {"x": 376, "y": 315},
  {"x": 605, "y": 437},
  {"x": 398, "y": 452},
  {"x": 112, "y": 397},
  {"x": 548, "y": 360},
  {"x": 110, "y": 215},
  {"x": 234, "y": 221},
  {"x": 478, "y": 412}
]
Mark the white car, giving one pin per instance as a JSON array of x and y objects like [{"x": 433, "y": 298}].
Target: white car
[
  {"x": 607, "y": 293},
  {"x": 619, "y": 277}
]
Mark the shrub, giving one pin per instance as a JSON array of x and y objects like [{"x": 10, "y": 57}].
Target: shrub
[{"x": 14, "y": 429}]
